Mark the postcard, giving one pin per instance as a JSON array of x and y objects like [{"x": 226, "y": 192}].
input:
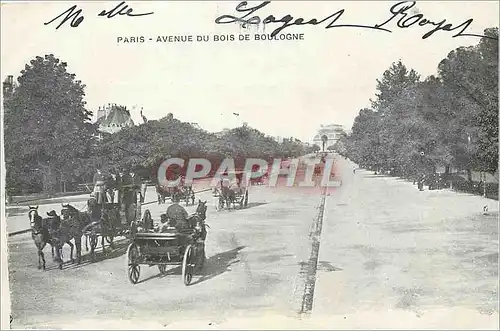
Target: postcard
[{"x": 249, "y": 164}]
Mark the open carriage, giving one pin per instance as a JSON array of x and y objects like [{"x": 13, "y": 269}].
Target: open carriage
[
  {"x": 183, "y": 191},
  {"x": 233, "y": 192},
  {"x": 173, "y": 247}
]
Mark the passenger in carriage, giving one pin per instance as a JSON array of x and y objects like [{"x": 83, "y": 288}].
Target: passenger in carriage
[{"x": 177, "y": 214}]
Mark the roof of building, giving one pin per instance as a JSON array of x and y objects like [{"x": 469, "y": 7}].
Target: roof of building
[{"x": 118, "y": 116}]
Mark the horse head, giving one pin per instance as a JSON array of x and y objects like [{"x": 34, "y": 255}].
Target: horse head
[
  {"x": 35, "y": 219},
  {"x": 68, "y": 211},
  {"x": 202, "y": 209}
]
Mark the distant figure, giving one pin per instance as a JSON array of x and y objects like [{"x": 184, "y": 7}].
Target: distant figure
[
  {"x": 353, "y": 170},
  {"x": 144, "y": 119}
]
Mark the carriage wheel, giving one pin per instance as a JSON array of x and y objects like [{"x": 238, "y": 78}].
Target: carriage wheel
[
  {"x": 187, "y": 265},
  {"x": 245, "y": 203},
  {"x": 133, "y": 268},
  {"x": 162, "y": 268},
  {"x": 109, "y": 239}
]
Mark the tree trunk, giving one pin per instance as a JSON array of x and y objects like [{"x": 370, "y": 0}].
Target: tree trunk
[
  {"x": 469, "y": 175},
  {"x": 484, "y": 183},
  {"x": 49, "y": 179}
]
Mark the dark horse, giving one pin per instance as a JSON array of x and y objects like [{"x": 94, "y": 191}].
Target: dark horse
[
  {"x": 72, "y": 225},
  {"x": 40, "y": 234},
  {"x": 94, "y": 225},
  {"x": 197, "y": 220}
]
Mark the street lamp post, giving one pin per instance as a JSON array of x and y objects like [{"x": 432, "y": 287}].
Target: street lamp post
[{"x": 422, "y": 170}]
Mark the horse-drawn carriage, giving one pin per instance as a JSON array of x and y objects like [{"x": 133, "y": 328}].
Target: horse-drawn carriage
[
  {"x": 167, "y": 246},
  {"x": 183, "y": 191},
  {"x": 233, "y": 192},
  {"x": 114, "y": 217}
]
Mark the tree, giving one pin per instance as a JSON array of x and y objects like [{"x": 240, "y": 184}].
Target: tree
[
  {"x": 393, "y": 82},
  {"x": 47, "y": 128},
  {"x": 471, "y": 74},
  {"x": 315, "y": 148}
]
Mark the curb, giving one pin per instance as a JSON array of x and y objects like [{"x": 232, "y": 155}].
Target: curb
[{"x": 15, "y": 233}]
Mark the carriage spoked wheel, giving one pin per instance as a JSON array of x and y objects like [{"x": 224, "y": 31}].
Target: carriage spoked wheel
[
  {"x": 188, "y": 265},
  {"x": 133, "y": 268}
]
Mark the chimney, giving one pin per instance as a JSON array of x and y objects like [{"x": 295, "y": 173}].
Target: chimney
[{"x": 10, "y": 80}]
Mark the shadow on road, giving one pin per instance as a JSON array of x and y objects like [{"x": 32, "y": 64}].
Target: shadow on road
[
  {"x": 214, "y": 266},
  {"x": 119, "y": 248},
  {"x": 255, "y": 204},
  {"x": 219, "y": 264},
  {"x": 169, "y": 272},
  {"x": 250, "y": 205}
]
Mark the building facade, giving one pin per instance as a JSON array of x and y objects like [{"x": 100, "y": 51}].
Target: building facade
[
  {"x": 333, "y": 132},
  {"x": 112, "y": 118},
  {"x": 8, "y": 86}
]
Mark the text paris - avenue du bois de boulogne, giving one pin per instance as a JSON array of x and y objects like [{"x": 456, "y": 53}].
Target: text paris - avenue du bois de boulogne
[{"x": 207, "y": 38}]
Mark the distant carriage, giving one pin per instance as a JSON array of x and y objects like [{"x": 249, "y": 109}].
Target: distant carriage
[
  {"x": 232, "y": 193},
  {"x": 183, "y": 190}
]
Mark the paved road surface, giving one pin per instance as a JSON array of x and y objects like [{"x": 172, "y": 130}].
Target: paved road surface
[{"x": 380, "y": 244}]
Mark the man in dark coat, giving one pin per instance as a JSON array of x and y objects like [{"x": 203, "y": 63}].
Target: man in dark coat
[{"x": 177, "y": 213}]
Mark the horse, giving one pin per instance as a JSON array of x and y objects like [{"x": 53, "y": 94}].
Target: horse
[
  {"x": 61, "y": 233},
  {"x": 187, "y": 192},
  {"x": 197, "y": 220},
  {"x": 161, "y": 193},
  {"x": 39, "y": 234},
  {"x": 71, "y": 228},
  {"x": 93, "y": 223}
]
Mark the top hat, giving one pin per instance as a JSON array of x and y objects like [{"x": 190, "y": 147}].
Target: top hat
[{"x": 52, "y": 213}]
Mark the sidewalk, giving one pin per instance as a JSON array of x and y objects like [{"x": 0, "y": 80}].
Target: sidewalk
[{"x": 387, "y": 246}]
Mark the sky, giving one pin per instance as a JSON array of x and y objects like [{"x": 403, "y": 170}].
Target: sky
[{"x": 283, "y": 88}]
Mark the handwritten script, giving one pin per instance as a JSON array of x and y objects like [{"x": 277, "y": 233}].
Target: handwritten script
[
  {"x": 399, "y": 14},
  {"x": 246, "y": 15},
  {"x": 77, "y": 17}
]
